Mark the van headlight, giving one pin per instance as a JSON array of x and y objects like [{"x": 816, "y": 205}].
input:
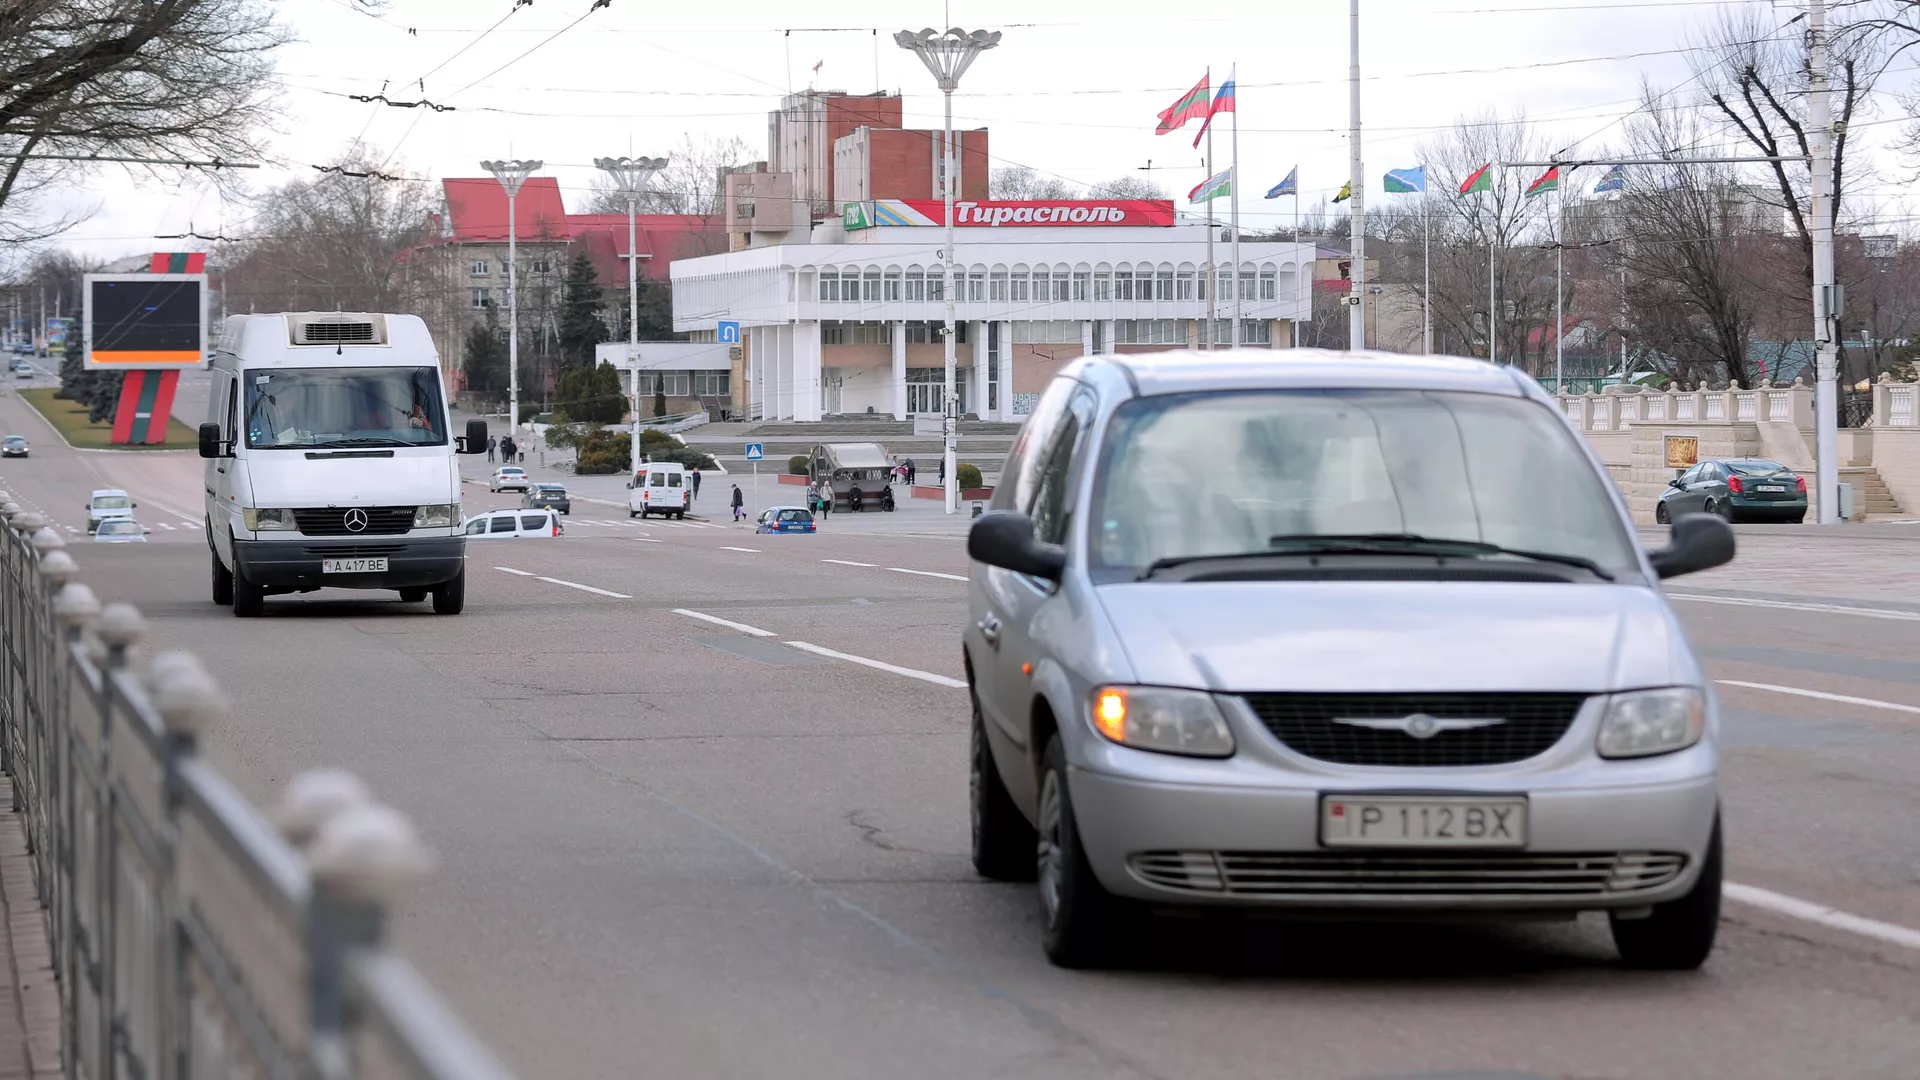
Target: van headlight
[
  {"x": 263, "y": 520},
  {"x": 1648, "y": 722},
  {"x": 438, "y": 515},
  {"x": 1162, "y": 720}
]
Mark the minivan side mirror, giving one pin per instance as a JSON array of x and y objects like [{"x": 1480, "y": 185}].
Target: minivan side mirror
[
  {"x": 1697, "y": 542},
  {"x": 1004, "y": 538},
  {"x": 475, "y": 440},
  {"x": 210, "y": 443}
]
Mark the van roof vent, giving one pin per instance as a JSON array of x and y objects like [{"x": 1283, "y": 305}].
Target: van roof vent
[{"x": 338, "y": 329}]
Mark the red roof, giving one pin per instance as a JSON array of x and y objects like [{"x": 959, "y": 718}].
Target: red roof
[{"x": 478, "y": 209}]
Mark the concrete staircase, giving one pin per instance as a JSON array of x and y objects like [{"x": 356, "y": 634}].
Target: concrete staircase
[{"x": 1871, "y": 496}]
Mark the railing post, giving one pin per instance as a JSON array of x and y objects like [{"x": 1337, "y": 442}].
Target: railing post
[
  {"x": 74, "y": 606},
  {"x": 188, "y": 702}
]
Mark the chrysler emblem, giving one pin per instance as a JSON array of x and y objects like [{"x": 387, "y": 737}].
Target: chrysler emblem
[
  {"x": 355, "y": 520},
  {"x": 1419, "y": 725}
]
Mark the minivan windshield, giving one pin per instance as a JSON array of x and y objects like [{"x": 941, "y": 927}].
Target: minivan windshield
[
  {"x": 1223, "y": 474},
  {"x": 112, "y": 502},
  {"x": 307, "y": 407}
]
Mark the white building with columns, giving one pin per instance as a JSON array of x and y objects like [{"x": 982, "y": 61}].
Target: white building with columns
[{"x": 847, "y": 320}]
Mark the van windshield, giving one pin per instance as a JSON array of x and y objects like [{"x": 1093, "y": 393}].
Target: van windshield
[
  {"x": 307, "y": 407},
  {"x": 112, "y": 502}
]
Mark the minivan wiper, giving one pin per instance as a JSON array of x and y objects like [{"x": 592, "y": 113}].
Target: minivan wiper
[{"x": 1400, "y": 543}]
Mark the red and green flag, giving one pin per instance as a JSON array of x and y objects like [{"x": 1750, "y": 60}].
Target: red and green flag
[
  {"x": 1548, "y": 181},
  {"x": 1195, "y": 104},
  {"x": 1479, "y": 181}
]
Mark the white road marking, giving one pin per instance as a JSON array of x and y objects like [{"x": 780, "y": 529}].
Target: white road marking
[
  {"x": 846, "y": 562},
  {"x": 1796, "y": 605},
  {"x": 881, "y": 665},
  {"x": 927, "y": 573},
  {"x": 750, "y": 551},
  {"x": 1793, "y": 907},
  {"x": 1844, "y": 699},
  {"x": 511, "y": 570},
  {"x": 190, "y": 524},
  {"x": 586, "y": 588},
  {"x": 166, "y": 525},
  {"x": 649, "y": 540},
  {"x": 608, "y": 523},
  {"x": 728, "y": 623}
]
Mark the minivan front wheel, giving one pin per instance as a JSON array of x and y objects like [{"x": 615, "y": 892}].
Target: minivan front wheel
[
  {"x": 1077, "y": 913},
  {"x": 1679, "y": 934}
]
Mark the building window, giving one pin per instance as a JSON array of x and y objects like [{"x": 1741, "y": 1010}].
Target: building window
[
  {"x": 1103, "y": 285},
  {"x": 1143, "y": 284},
  {"x": 1123, "y": 286},
  {"x": 1149, "y": 332},
  {"x": 541, "y": 266},
  {"x": 1269, "y": 285},
  {"x": 482, "y": 298},
  {"x": 916, "y": 286},
  {"x": 480, "y": 268},
  {"x": 1163, "y": 285},
  {"x": 935, "y": 291},
  {"x": 712, "y": 383},
  {"x": 1246, "y": 284},
  {"x": 1080, "y": 279},
  {"x": 870, "y": 287},
  {"x": 997, "y": 290},
  {"x": 855, "y": 333},
  {"x": 1256, "y": 332},
  {"x": 1183, "y": 285},
  {"x": 977, "y": 286},
  {"x": 1059, "y": 286},
  {"x": 1020, "y": 292},
  {"x": 829, "y": 285},
  {"x": 893, "y": 286}
]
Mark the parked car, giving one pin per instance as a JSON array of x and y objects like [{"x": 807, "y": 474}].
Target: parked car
[
  {"x": 1396, "y": 653},
  {"x": 120, "y": 531},
  {"x": 108, "y": 504},
  {"x": 509, "y": 478},
  {"x": 14, "y": 446},
  {"x": 1737, "y": 489},
  {"x": 548, "y": 496},
  {"x": 785, "y": 519},
  {"x": 514, "y": 524}
]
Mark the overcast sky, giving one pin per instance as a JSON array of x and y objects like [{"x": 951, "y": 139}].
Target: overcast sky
[{"x": 1066, "y": 93}]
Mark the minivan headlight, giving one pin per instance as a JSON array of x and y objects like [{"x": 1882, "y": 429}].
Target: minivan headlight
[
  {"x": 435, "y": 516},
  {"x": 1163, "y": 720},
  {"x": 1648, "y": 722},
  {"x": 264, "y": 520}
]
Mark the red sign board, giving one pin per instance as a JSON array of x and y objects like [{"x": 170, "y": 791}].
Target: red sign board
[{"x": 1074, "y": 212}]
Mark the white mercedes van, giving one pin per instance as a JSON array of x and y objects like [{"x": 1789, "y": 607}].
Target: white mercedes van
[{"x": 330, "y": 463}]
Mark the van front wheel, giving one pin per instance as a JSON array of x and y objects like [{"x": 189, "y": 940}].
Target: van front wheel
[
  {"x": 222, "y": 582},
  {"x": 450, "y": 598},
  {"x": 249, "y": 600}
]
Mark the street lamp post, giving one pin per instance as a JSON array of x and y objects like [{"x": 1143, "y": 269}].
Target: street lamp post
[
  {"x": 630, "y": 176},
  {"x": 948, "y": 55},
  {"x": 511, "y": 175}
]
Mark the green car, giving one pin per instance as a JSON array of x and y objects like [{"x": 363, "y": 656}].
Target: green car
[{"x": 1738, "y": 489}]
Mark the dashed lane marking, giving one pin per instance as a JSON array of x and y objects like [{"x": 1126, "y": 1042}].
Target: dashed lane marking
[
  {"x": 511, "y": 570},
  {"x": 750, "y": 551},
  {"x": 927, "y": 573},
  {"x": 584, "y": 588},
  {"x": 1822, "y": 695},
  {"x": 879, "y": 665},
  {"x": 1805, "y": 910},
  {"x": 849, "y": 562},
  {"x": 1799, "y": 605},
  {"x": 728, "y": 623}
]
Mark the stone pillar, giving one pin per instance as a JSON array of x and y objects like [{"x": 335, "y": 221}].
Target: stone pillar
[
  {"x": 899, "y": 331},
  {"x": 806, "y": 370},
  {"x": 762, "y": 346},
  {"x": 1006, "y": 370},
  {"x": 977, "y": 334},
  {"x": 1106, "y": 337},
  {"x": 779, "y": 398}
]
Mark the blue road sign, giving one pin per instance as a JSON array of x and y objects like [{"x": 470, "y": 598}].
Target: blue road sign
[
  {"x": 756, "y": 451},
  {"x": 729, "y": 333}
]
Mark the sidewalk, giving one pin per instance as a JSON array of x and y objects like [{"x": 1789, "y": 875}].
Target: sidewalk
[{"x": 29, "y": 996}]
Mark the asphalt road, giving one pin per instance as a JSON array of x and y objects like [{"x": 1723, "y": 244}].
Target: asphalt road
[{"x": 673, "y": 847}]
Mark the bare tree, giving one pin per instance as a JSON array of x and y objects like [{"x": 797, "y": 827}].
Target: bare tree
[
  {"x": 181, "y": 79},
  {"x": 1128, "y": 187},
  {"x": 692, "y": 183},
  {"x": 1019, "y": 183}
]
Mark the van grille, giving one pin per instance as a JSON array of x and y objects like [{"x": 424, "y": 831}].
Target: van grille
[
  {"x": 332, "y": 521},
  {"x": 352, "y": 551},
  {"x": 1426, "y": 876},
  {"x": 329, "y": 333},
  {"x": 1529, "y": 724}
]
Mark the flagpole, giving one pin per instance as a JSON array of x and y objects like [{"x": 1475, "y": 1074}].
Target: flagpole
[
  {"x": 1233, "y": 76},
  {"x": 1493, "y": 288},
  {"x": 1213, "y": 272},
  {"x": 1559, "y": 318},
  {"x": 1426, "y": 271}
]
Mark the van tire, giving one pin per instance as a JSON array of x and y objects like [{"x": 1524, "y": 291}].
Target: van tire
[
  {"x": 450, "y": 598},
  {"x": 249, "y": 600},
  {"x": 412, "y": 596},
  {"x": 222, "y": 582}
]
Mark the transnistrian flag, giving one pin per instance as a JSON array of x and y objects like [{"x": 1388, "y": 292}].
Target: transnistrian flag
[
  {"x": 1222, "y": 102},
  {"x": 1193, "y": 105},
  {"x": 1548, "y": 181},
  {"x": 1289, "y": 186},
  {"x": 1406, "y": 181},
  {"x": 1479, "y": 181},
  {"x": 1614, "y": 180},
  {"x": 1346, "y": 192},
  {"x": 1212, "y": 187}
]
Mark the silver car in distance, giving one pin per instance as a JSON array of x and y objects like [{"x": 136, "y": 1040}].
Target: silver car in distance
[{"x": 1333, "y": 634}]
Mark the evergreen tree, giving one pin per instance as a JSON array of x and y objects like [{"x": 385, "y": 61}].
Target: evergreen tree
[
  {"x": 659, "y": 395},
  {"x": 581, "y": 327},
  {"x": 485, "y": 359}
]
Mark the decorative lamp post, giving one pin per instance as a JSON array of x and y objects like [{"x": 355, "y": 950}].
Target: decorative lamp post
[
  {"x": 630, "y": 176},
  {"x": 511, "y": 175}
]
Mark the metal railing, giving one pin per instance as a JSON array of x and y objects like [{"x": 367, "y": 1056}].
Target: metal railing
[{"x": 191, "y": 936}]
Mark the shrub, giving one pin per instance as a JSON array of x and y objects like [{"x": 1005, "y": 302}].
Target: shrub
[
  {"x": 797, "y": 465},
  {"x": 969, "y": 477},
  {"x": 653, "y": 439},
  {"x": 685, "y": 455}
]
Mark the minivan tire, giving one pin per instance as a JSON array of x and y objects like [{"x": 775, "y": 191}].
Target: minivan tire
[
  {"x": 1078, "y": 917},
  {"x": 1679, "y": 935},
  {"x": 222, "y": 581},
  {"x": 1003, "y": 839},
  {"x": 249, "y": 600},
  {"x": 450, "y": 597}
]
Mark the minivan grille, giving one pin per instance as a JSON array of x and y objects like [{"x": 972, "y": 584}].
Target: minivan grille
[
  {"x": 1427, "y": 875},
  {"x": 1308, "y": 724},
  {"x": 329, "y": 333},
  {"x": 332, "y": 521}
]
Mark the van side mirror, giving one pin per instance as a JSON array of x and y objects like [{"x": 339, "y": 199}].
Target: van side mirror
[
  {"x": 210, "y": 444},
  {"x": 1004, "y": 538},
  {"x": 475, "y": 440},
  {"x": 1697, "y": 542}
]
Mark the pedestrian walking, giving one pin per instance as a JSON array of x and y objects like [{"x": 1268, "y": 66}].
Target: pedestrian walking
[
  {"x": 493, "y": 444},
  {"x": 942, "y": 482},
  {"x": 696, "y": 483},
  {"x": 506, "y": 449},
  {"x": 909, "y": 472},
  {"x": 739, "y": 503}
]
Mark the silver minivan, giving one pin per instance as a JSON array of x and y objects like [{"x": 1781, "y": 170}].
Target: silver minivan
[{"x": 1333, "y": 634}]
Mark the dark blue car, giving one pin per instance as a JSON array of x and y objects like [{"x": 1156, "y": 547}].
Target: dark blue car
[{"x": 785, "y": 519}]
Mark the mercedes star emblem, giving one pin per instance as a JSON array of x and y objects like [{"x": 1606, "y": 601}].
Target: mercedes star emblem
[{"x": 356, "y": 520}]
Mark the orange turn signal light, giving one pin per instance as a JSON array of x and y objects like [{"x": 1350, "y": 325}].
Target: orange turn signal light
[{"x": 1110, "y": 713}]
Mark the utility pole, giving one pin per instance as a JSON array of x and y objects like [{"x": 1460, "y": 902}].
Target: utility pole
[
  {"x": 1826, "y": 317},
  {"x": 1357, "y": 227},
  {"x": 630, "y": 176},
  {"x": 511, "y": 175}
]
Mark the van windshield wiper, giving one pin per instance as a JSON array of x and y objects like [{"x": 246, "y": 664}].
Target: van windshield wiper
[
  {"x": 1404, "y": 543},
  {"x": 366, "y": 441}
]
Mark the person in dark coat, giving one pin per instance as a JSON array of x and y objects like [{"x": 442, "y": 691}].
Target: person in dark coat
[{"x": 739, "y": 502}]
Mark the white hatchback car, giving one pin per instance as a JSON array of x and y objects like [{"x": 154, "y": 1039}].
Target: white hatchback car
[
  {"x": 523, "y": 524},
  {"x": 509, "y": 478}
]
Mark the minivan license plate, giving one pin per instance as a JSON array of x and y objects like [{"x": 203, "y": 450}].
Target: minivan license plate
[
  {"x": 1416, "y": 821},
  {"x": 353, "y": 566}
]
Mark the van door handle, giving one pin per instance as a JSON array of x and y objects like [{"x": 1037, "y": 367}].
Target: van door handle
[{"x": 990, "y": 629}]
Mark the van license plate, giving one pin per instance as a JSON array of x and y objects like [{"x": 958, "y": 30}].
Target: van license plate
[
  {"x": 1391, "y": 821},
  {"x": 353, "y": 566}
]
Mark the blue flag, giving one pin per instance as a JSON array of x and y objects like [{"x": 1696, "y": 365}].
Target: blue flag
[
  {"x": 1289, "y": 186},
  {"x": 1406, "y": 181},
  {"x": 1614, "y": 180}
]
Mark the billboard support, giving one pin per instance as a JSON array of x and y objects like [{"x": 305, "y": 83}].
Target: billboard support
[{"x": 150, "y": 326}]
